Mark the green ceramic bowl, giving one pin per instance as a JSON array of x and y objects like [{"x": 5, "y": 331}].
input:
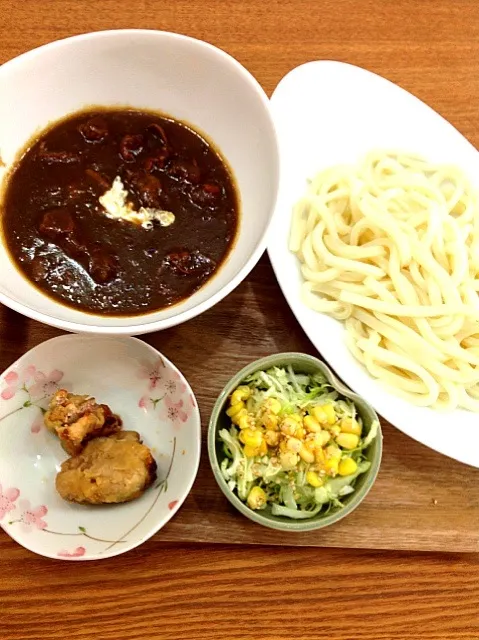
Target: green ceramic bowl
[{"x": 301, "y": 363}]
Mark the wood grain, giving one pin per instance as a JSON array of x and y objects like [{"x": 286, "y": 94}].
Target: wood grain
[
  {"x": 160, "y": 592},
  {"x": 420, "y": 501}
]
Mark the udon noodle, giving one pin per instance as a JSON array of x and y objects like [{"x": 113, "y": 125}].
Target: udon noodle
[{"x": 391, "y": 248}]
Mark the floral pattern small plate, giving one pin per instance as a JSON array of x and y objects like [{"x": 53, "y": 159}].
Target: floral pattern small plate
[{"x": 152, "y": 397}]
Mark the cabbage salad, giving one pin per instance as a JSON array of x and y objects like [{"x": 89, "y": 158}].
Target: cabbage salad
[{"x": 294, "y": 443}]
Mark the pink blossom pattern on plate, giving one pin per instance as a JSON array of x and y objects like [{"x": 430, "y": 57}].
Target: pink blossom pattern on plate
[
  {"x": 7, "y": 499},
  {"x": 76, "y": 553},
  {"x": 153, "y": 373},
  {"x": 45, "y": 385},
  {"x": 17, "y": 382},
  {"x": 167, "y": 390},
  {"x": 37, "y": 424},
  {"x": 147, "y": 403},
  {"x": 175, "y": 385},
  {"x": 31, "y": 518},
  {"x": 174, "y": 411},
  {"x": 40, "y": 390}
]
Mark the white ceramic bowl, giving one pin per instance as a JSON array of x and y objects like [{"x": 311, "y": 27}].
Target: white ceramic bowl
[
  {"x": 151, "y": 396},
  {"x": 183, "y": 77}
]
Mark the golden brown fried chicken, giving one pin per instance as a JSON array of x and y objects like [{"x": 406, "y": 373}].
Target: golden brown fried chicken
[
  {"x": 78, "y": 419},
  {"x": 118, "y": 468}
]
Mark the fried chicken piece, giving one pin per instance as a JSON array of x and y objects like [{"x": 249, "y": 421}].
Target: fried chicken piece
[
  {"x": 115, "y": 469},
  {"x": 77, "y": 419}
]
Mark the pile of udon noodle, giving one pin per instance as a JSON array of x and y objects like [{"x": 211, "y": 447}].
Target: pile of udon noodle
[{"x": 391, "y": 247}]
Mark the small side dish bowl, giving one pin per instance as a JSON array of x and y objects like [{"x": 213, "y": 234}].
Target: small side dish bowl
[
  {"x": 150, "y": 395},
  {"x": 300, "y": 363},
  {"x": 177, "y": 76}
]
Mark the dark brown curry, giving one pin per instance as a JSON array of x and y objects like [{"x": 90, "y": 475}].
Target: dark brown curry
[{"x": 61, "y": 239}]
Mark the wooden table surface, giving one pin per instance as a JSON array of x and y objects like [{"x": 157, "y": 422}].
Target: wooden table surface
[{"x": 192, "y": 592}]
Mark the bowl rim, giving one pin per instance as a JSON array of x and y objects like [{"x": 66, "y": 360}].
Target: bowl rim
[
  {"x": 171, "y": 512},
  {"x": 256, "y": 516},
  {"x": 137, "y": 327}
]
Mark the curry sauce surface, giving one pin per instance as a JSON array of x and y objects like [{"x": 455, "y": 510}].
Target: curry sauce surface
[{"x": 60, "y": 238}]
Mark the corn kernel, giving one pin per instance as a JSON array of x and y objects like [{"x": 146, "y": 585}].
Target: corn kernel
[
  {"x": 332, "y": 458},
  {"x": 293, "y": 444},
  {"x": 319, "y": 414},
  {"x": 250, "y": 452},
  {"x": 263, "y": 448},
  {"x": 311, "y": 424},
  {"x": 319, "y": 456},
  {"x": 347, "y": 467},
  {"x": 300, "y": 433},
  {"x": 245, "y": 421},
  {"x": 240, "y": 394},
  {"x": 313, "y": 479},
  {"x": 289, "y": 425},
  {"x": 335, "y": 431},
  {"x": 272, "y": 438},
  {"x": 270, "y": 421},
  {"x": 283, "y": 445},
  {"x": 315, "y": 441},
  {"x": 288, "y": 460},
  {"x": 256, "y": 498},
  {"x": 311, "y": 443},
  {"x": 331, "y": 466},
  {"x": 330, "y": 413},
  {"x": 347, "y": 440},
  {"x": 350, "y": 425},
  {"x": 306, "y": 455},
  {"x": 252, "y": 438},
  {"x": 325, "y": 437},
  {"x": 273, "y": 405},
  {"x": 237, "y": 417},
  {"x": 333, "y": 450},
  {"x": 235, "y": 409}
]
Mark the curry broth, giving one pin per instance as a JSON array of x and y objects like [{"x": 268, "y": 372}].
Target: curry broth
[{"x": 61, "y": 239}]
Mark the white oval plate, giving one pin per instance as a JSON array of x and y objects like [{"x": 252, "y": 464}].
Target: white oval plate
[
  {"x": 329, "y": 113},
  {"x": 151, "y": 396}
]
